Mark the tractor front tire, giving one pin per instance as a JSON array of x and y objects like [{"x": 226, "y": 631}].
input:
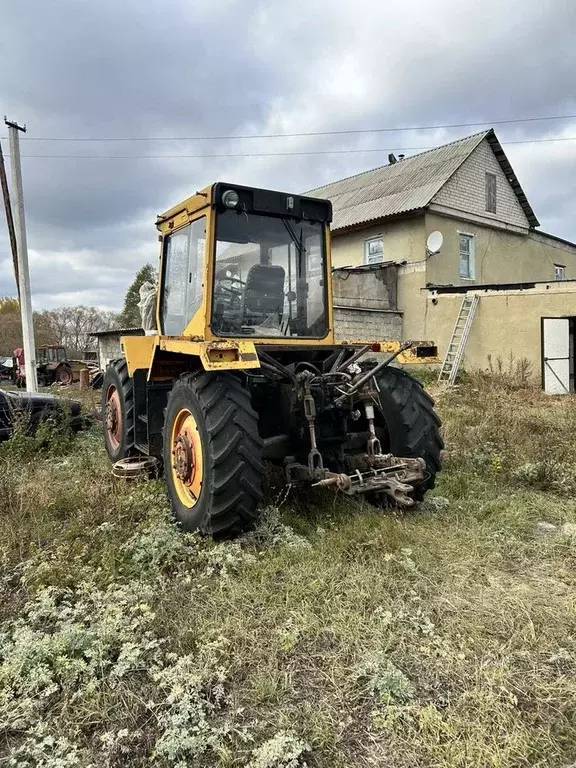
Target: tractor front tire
[
  {"x": 212, "y": 454},
  {"x": 412, "y": 427},
  {"x": 118, "y": 410}
]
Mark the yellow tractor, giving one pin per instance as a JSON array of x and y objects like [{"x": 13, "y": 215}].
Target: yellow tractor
[{"x": 244, "y": 367}]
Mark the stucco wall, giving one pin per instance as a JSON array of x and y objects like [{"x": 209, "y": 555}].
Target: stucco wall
[
  {"x": 501, "y": 256},
  {"x": 412, "y": 299},
  {"x": 403, "y": 241},
  {"x": 466, "y": 190},
  {"x": 506, "y": 322}
]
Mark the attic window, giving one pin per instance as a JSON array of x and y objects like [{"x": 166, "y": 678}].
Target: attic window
[
  {"x": 491, "y": 192},
  {"x": 373, "y": 250}
]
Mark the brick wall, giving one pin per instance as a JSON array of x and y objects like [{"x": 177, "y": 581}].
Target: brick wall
[{"x": 466, "y": 190}]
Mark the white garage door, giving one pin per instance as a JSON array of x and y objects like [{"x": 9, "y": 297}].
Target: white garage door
[{"x": 556, "y": 355}]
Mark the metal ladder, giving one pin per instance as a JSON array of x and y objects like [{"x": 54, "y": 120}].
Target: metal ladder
[{"x": 458, "y": 340}]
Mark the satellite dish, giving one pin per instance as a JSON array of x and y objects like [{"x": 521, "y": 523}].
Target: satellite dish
[{"x": 434, "y": 242}]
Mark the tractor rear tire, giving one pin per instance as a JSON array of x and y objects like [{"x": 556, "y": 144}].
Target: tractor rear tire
[
  {"x": 63, "y": 374},
  {"x": 212, "y": 454},
  {"x": 412, "y": 426},
  {"x": 118, "y": 410}
]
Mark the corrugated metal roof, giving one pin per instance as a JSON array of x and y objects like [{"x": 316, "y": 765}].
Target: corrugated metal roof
[
  {"x": 117, "y": 331},
  {"x": 407, "y": 185}
]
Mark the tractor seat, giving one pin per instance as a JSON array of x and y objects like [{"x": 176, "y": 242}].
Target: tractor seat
[{"x": 263, "y": 294}]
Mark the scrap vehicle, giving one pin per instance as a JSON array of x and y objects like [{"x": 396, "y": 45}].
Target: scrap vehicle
[
  {"x": 52, "y": 365},
  {"x": 34, "y": 409},
  {"x": 6, "y": 365},
  {"x": 245, "y": 367}
]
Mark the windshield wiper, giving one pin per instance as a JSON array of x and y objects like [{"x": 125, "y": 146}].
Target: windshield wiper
[{"x": 296, "y": 240}]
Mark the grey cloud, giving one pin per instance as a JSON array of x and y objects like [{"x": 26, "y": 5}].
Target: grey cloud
[{"x": 225, "y": 67}]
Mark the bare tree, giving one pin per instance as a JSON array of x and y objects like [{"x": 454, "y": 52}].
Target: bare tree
[
  {"x": 72, "y": 326},
  {"x": 67, "y": 326}
]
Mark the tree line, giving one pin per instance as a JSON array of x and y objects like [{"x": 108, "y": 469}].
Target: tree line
[{"x": 71, "y": 326}]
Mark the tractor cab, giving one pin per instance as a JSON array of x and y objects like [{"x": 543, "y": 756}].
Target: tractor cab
[
  {"x": 245, "y": 263},
  {"x": 50, "y": 355}
]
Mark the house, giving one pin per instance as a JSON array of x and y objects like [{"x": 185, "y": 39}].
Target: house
[{"x": 468, "y": 192}]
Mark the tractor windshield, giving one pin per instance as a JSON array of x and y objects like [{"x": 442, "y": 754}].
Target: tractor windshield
[{"x": 269, "y": 277}]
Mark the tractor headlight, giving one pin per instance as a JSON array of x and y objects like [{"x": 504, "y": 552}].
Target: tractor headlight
[{"x": 230, "y": 198}]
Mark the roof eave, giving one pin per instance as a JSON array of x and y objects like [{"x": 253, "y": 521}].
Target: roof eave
[
  {"x": 512, "y": 178},
  {"x": 116, "y": 331},
  {"x": 412, "y": 214},
  {"x": 555, "y": 237}
]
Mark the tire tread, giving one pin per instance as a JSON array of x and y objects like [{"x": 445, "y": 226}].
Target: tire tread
[
  {"x": 232, "y": 453},
  {"x": 117, "y": 374},
  {"x": 417, "y": 432}
]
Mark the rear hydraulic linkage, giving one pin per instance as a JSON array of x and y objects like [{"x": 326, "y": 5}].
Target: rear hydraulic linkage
[{"x": 387, "y": 473}]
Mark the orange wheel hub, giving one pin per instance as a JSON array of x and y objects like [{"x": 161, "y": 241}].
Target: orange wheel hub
[
  {"x": 114, "y": 423},
  {"x": 187, "y": 461}
]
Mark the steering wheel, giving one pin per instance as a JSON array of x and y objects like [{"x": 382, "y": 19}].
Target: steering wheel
[{"x": 235, "y": 286}]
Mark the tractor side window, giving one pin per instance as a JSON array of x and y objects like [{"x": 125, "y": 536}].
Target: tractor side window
[
  {"x": 183, "y": 277},
  {"x": 315, "y": 296},
  {"x": 196, "y": 258}
]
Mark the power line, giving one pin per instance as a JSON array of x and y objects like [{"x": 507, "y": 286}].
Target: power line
[
  {"x": 271, "y": 154},
  {"x": 306, "y": 133}
]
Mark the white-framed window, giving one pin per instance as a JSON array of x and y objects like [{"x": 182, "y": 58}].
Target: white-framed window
[
  {"x": 374, "y": 250},
  {"x": 467, "y": 257},
  {"x": 559, "y": 272}
]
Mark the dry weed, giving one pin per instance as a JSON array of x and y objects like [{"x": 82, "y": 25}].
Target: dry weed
[{"x": 336, "y": 636}]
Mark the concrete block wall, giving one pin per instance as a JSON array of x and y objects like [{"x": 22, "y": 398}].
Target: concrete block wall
[
  {"x": 466, "y": 190},
  {"x": 373, "y": 288},
  {"x": 365, "y": 306},
  {"x": 110, "y": 346},
  {"x": 367, "y": 325}
]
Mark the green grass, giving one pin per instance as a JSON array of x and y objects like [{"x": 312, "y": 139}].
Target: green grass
[{"x": 336, "y": 635}]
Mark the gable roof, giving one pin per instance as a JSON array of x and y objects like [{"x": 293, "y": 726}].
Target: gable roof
[{"x": 410, "y": 184}]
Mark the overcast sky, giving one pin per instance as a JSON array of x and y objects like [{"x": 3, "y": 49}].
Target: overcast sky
[{"x": 171, "y": 68}]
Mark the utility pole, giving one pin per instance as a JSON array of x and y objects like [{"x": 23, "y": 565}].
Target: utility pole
[
  {"x": 22, "y": 251},
  {"x": 9, "y": 219}
]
